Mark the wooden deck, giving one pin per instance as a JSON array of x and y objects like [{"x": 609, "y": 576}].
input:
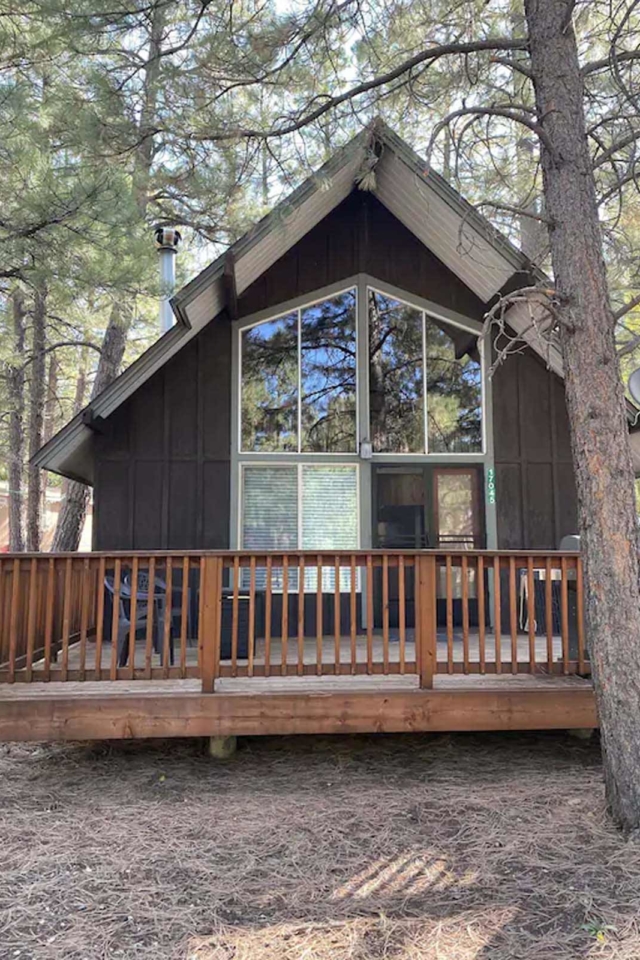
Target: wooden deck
[
  {"x": 292, "y": 705},
  {"x": 329, "y": 651},
  {"x": 69, "y": 668}
]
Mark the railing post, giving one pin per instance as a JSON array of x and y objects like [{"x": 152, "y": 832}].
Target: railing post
[
  {"x": 211, "y": 599},
  {"x": 426, "y": 624}
]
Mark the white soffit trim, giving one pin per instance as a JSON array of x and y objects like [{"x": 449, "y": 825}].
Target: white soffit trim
[
  {"x": 521, "y": 317},
  {"x": 442, "y": 229},
  {"x": 290, "y": 225}
]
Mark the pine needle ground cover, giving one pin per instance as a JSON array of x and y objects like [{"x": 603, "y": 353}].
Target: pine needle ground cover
[{"x": 493, "y": 847}]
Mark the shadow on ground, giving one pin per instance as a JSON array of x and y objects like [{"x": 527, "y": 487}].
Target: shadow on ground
[{"x": 483, "y": 847}]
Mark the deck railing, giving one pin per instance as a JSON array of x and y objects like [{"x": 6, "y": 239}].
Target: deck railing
[{"x": 215, "y": 616}]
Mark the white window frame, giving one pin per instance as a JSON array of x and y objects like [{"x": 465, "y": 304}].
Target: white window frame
[
  {"x": 383, "y": 290},
  {"x": 279, "y": 315},
  {"x": 360, "y": 281},
  {"x": 299, "y": 465}
]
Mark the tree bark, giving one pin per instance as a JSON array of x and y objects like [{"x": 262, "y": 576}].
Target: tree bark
[
  {"x": 15, "y": 383},
  {"x": 595, "y": 401},
  {"x": 74, "y": 506},
  {"x": 37, "y": 392},
  {"x": 146, "y": 139}
]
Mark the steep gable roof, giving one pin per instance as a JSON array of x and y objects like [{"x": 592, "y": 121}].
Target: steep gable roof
[{"x": 376, "y": 159}]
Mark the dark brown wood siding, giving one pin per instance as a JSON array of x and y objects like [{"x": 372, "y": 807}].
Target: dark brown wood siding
[
  {"x": 162, "y": 475},
  {"x": 360, "y": 236},
  {"x": 535, "y": 489}
]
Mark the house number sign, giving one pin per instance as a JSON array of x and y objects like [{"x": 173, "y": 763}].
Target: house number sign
[{"x": 491, "y": 485}]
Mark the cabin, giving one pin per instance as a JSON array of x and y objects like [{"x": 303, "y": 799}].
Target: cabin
[{"x": 316, "y": 507}]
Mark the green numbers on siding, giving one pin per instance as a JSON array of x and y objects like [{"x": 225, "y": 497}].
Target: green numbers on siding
[{"x": 491, "y": 485}]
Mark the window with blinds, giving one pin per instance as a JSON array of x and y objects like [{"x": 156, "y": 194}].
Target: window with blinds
[{"x": 300, "y": 507}]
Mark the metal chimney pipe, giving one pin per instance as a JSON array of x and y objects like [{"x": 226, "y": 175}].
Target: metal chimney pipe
[{"x": 167, "y": 240}]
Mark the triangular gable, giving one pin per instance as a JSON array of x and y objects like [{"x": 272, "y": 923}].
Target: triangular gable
[{"x": 433, "y": 211}]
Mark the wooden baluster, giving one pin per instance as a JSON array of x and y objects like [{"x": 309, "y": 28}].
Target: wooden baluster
[
  {"x": 497, "y": 614},
  {"x": 513, "y": 614},
  {"x": 402, "y": 615},
  {"x": 13, "y": 618},
  {"x": 251, "y": 629},
  {"x": 285, "y": 614},
  {"x": 369, "y": 613},
  {"x": 548, "y": 612},
  {"x": 66, "y": 618},
  {"x": 133, "y": 617},
  {"x": 336, "y": 615},
  {"x": 426, "y": 623},
  {"x": 168, "y": 610},
  {"x": 580, "y": 616},
  {"x": 300, "y": 665},
  {"x": 464, "y": 573},
  {"x": 85, "y": 598},
  {"x": 353, "y": 613},
  {"x": 267, "y": 617},
  {"x": 531, "y": 615},
  {"x": 151, "y": 612},
  {"x": 319, "y": 624},
  {"x": 184, "y": 616},
  {"x": 449, "y": 607},
  {"x": 385, "y": 614},
  {"x": 210, "y": 623},
  {"x": 234, "y": 616},
  {"x": 48, "y": 617},
  {"x": 564, "y": 615},
  {"x": 115, "y": 618},
  {"x": 482, "y": 614},
  {"x": 3, "y": 608},
  {"x": 202, "y": 654},
  {"x": 31, "y": 623}
]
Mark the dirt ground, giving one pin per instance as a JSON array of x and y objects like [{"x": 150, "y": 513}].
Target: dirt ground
[{"x": 368, "y": 848}]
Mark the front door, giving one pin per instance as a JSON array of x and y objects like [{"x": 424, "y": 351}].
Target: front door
[{"x": 428, "y": 507}]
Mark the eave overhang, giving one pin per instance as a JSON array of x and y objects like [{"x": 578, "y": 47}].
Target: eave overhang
[{"x": 423, "y": 201}]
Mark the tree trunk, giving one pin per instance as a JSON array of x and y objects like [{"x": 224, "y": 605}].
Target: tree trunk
[
  {"x": 50, "y": 404},
  {"x": 595, "y": 401},
  {"x": 146, "y": 139},
  {"x": 74, "y": 506},
  {"x": 51, "y": 401},
  {"x": 36, "y": 418},
  {"x": 15, "y": 383}
]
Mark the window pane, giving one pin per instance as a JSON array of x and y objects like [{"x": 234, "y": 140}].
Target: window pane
[
  {"x": 328, "y": 375},
  {"x": 456, "y": 505},
  {"x": 270, "y": 385},
  {"x": 329, "y": 529},
  {"x": 454, "y": 392},
  {"x": 457, "y": 523},
  {"x": 270, "y": 508},
  {"x": 395, "y": 376},
  {"x": 270, "y": 518}
]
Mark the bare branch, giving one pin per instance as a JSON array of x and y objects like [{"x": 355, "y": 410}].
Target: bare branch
[
  {"x": 618, "y": 314},
  {"x": 430, "y": 55}
]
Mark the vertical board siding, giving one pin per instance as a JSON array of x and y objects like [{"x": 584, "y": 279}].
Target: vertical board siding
[
  {"x": 163, "y": 466},
  {"x": 535, "y": 488},
  {"x": 162, "y": 476}
]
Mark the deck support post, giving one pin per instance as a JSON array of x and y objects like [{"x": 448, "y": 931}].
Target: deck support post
[
  {"x": 581, "y": 733},
  {"x": 209, "y": 642},
  {"x": 221, "y": 748},
  {"x": 426, "y": 622}
]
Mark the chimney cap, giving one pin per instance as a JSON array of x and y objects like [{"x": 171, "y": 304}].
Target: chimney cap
[{"x": 167, "y": 238}]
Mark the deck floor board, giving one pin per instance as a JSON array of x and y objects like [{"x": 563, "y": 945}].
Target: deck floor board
[{"x": 328, "y": 651}]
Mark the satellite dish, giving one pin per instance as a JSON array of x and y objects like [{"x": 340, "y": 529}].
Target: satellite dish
[{"x": 634, "y": 385}]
